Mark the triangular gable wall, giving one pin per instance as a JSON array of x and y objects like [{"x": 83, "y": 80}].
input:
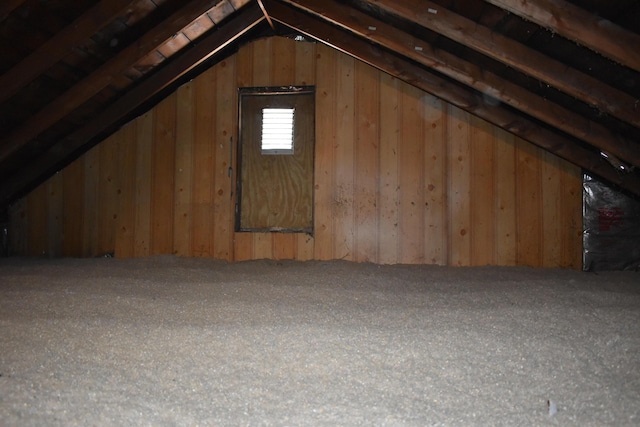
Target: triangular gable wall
[{"x": 400, "y": 177}]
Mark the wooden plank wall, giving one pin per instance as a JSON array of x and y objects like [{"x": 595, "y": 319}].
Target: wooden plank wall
[{"x": 400, "y": 177}]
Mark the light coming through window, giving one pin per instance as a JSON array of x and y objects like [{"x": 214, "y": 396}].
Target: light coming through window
[{"x": 277, "y": 130}]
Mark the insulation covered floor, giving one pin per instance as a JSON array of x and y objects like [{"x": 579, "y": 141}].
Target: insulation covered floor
[{"x": 173, "y": 341}]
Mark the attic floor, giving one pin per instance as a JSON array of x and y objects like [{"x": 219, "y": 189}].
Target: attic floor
[{"x": 172, "y": 341}]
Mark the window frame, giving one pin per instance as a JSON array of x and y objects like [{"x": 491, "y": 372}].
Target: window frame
[{"x": 268, "y": 91}]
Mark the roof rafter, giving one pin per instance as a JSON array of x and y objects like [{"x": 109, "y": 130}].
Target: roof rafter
[
  {"x": 576, "y": 24},
  {"x": 516, "y": 55},
  {"x": 320, "y": 28},
  {"x": 210, "y": 45},
  {"x": 472, "y": 75},
  {"x": 8, "y": 6},
  {"x": 103, "y": 76},
  {"x": 59, "y": 45}
]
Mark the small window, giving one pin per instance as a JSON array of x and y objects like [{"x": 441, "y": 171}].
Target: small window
[{"x": 277, "y": 130}]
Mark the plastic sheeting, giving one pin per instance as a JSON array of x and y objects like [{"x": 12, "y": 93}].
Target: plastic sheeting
[{"x": 611, "y": 228}]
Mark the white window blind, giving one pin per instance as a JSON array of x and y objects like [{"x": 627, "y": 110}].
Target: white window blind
[{"x": 277, "y": 130}]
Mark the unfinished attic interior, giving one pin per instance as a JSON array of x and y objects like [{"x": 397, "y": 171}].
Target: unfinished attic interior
[
  {"x": 319, "y": 212},
  {"x": 451, "y": 133}
]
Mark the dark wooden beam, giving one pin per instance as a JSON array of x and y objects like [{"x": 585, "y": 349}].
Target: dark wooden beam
[
  {"x": 510, "y": 52},
  {"x": 54, "y": 49},
  {"x": 454, "y": 93},
  {"x": 266, "y": 15},
  {"x": 8, "y": 6},
  {"x": 577, "y": 24},
  {"x": 103, "y": 76},
  {"x": 73, "y": 145},
  {"x": 471, "y": 75}
]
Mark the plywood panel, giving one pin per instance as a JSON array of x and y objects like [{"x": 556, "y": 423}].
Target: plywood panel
[{"x": 277, "y": 189}]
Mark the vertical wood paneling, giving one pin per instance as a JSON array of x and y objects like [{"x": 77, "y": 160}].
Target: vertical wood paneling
[
  {"x": 262, "y": 246},
  {"x": 305, "y": 74},
  {"x": 305, "y": 69},
  {"x": 344, "y": 157},
  {"x": 283, "y": 63},
  {"x": 529, "y": 211},
  {"x": 19, "y": 228},
  {"x": 243, "y": 242},
  {"x": 262, "y": 62},
  {"x": 284, "y": 246},
  {"x": 482, "y": 193},
  {"x": 144, "y": 147},
  {"x": 37, "y": 221},
  {"x": 91, "y": 202},
  {"x": 459, "y": 193},
  {"x": 162, "y": 184},
  {"x": 125, "y": 224},
  {"x": 505, "y": 198},
  {"x": 411, "y": 151},
  {"x": 54, "y": 211},
  {"x": 225, "y": 136},
  {"x": 367, "y": 144},
  {"x": 185, "y": 124},
  {"x": 72, "y": 221},
  {"x": 551, "y": 210},
  {"x": 326, "y": 94},
  {"x": 399, "y": 176},
  {"x": 389, "y": 185},
  {"x": 242, "y": 246},
  {"x": 203, "y": 173},
  {"x": 571, "y": 222},
  {"x": 435, "y": 157},
  {"x": 108, "y": 194},
  {"x": 304, "y": 247}
]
